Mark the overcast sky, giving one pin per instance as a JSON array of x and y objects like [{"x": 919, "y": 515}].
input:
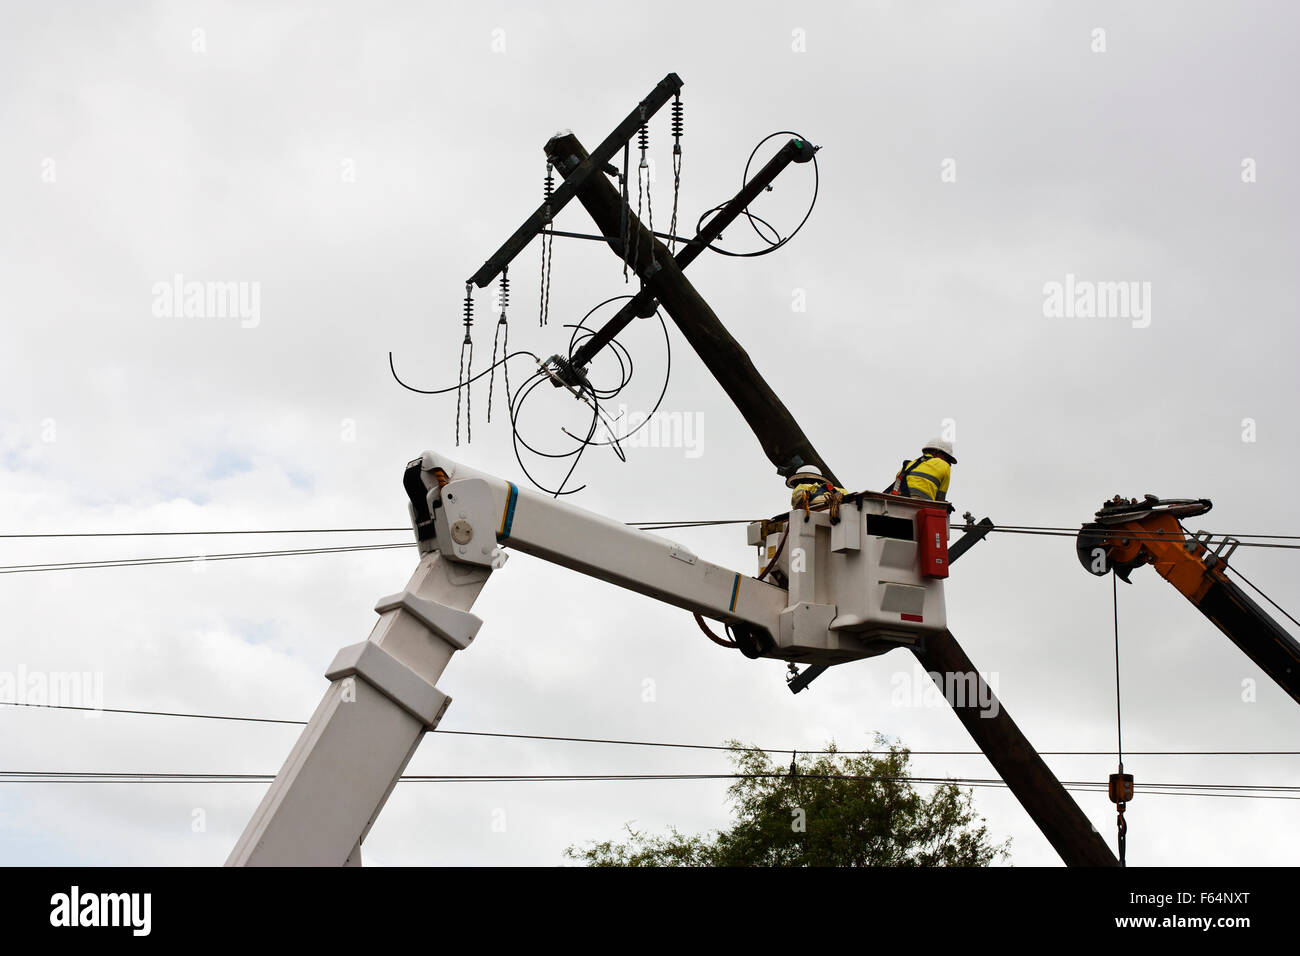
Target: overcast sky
[{"x": 352, "y": 165}]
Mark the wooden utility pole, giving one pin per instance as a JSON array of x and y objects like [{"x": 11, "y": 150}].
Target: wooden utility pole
[
  {"x": 1048, "y": 803},
  {"x": 783, "y": 441},
  {"x": 1066, "y": 827}
]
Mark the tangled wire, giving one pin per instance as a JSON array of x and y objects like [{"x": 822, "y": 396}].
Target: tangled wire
[{"x": 593, "y": 396}]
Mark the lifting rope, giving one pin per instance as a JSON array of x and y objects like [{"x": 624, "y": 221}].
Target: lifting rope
[{"x": 1121, "y": 783}]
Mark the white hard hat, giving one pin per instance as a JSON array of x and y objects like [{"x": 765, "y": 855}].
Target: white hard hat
[
  {"x": 806, "y": 475},
  {"x": 938, "y": 444}
]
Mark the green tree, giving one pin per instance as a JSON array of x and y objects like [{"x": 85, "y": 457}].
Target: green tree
[{"x": 835, "y": 810}]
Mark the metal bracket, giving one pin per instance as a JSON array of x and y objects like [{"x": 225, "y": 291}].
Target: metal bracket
[
  {"x": 467, "y": 523},
  {"x": 1220, "y": 554},
  {"x": 799, "y": 680},
  {"x": 455, "y": 627},
  {"x": 386, "y": 674},
  {"x": 975, "y": 533},
  {"x": 599, "y": 159}
]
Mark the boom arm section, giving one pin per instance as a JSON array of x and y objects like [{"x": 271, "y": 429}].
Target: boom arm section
[
  {"x": 472, "y": 515},
  {"x": 858, "y": 586},
  {"x": 1127, "y": 535}
]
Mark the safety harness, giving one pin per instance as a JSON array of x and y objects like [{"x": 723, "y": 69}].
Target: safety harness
[
  {"x": 899, "y": 487},
  {"x": 816, "y": 496}
]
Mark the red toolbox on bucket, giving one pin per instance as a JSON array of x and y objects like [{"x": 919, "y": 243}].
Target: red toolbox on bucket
[{"x": 932, "y": 542}]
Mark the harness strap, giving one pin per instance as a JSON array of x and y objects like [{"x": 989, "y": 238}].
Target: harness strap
[{"x": 899, "y": 487}]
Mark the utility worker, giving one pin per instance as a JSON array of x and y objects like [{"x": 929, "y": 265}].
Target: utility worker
[
  {"x": 810, "y": 489},
  {"x": 927, "y": 476}
]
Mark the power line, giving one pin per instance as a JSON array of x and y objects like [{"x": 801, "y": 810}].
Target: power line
[
  {"x": 1265, "y": 792},
  {"x": 1043, "y": 531},
  {"x": 149, "y": 713},
  {"x": 669, "y": 744},
  {"x": 190, "y": 558},
  {"x": 645, "y": 525},
  {"x": 154, "y": 534},
  {"x": 237, "y": 555},
  {"x": 338, "y": 549}
]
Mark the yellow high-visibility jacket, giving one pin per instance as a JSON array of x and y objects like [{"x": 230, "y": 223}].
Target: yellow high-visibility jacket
[{"x": 929, "y": 479}]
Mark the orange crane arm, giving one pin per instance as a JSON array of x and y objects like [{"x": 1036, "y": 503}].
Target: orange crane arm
[{"x": 1130, "y": 535}]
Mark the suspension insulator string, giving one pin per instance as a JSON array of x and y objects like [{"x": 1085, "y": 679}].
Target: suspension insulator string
[
  {"x": 643, "y": 143},
  {"x": 465, "y": 375},
  {"x": 548, "y": 249},
  {"x": 501, "y": 336},
  {"x": 649, "y": 205},
  {"x": 678, "y": 127}
]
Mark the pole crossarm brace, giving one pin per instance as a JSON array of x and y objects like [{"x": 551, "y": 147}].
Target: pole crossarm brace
[
  {"x": 664, "y": 91},
  {"x": 780, "y": 436}
]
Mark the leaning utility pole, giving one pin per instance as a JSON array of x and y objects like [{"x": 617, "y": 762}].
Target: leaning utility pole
[
  {"x": 1056, "y": 814},
  {"x": 783, "y": 441}
]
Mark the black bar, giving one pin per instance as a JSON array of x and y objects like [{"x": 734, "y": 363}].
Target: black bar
[
  {"x": 976, "y": 534},
  {"x": 643, "y": 302},
  {"x": 1059, "y": 818},
  {"x": 971, "y": 538},
  {"x": 1251, "y": 628},
  {"x": 668, "y": 87},
  {"x": 807, "y": 676}
]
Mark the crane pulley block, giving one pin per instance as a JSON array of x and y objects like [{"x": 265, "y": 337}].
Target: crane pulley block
[{"x": 1120, "y": 787}]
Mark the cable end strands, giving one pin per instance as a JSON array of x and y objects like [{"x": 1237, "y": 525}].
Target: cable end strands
[
  {"x": 564, "y": 374},
  {"x": 580, "y": 171}
]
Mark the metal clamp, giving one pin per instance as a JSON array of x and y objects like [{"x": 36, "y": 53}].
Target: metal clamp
[{"x": 1220, "y": 554}]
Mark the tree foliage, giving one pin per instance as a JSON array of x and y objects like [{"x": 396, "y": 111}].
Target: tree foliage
[{"x": 836, "y": 809}]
